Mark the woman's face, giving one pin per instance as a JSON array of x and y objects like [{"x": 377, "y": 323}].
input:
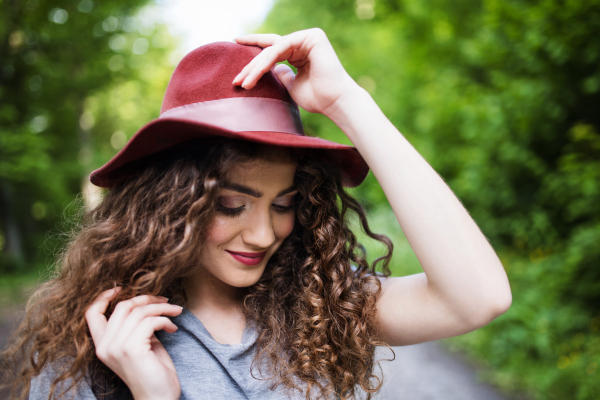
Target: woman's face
[{"x": 255, "y": 214}]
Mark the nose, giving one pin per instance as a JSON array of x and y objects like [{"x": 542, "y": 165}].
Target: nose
[{"x": 259, "y": 233}]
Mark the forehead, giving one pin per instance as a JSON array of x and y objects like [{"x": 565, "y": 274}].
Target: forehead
[{"x": 263, "y": 173}]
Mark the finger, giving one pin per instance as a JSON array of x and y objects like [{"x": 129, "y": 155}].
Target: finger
[
  {"x": 263, "y": 65},
  {"x": 123, "y": 309},
  {"x": 293, "y": 47},
  {"x": 143, "y": 333},
  {"x": 264, "y": 61},
  {"x": 258, "y": 39},
  {"x": 247, "y": 69},
  {"x": 140, "y": 313},
  {"x": 285, "y": 75},
  {"x": 95, "y": 317},
  {"x": 300, "y": 42}
]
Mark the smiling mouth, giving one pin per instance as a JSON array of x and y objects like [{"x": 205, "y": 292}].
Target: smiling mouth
[{"x": 248, "y": 258}]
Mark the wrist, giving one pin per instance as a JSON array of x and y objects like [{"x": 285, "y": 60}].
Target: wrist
[{"x": 344, "y": 107}]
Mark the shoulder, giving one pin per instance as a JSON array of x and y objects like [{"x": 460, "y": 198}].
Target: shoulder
[{"x": 41, "y": 384}]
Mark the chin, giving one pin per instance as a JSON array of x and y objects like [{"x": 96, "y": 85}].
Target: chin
[
  {"x": 241, "y": 278},
  {"x": 242, "y": 281}
]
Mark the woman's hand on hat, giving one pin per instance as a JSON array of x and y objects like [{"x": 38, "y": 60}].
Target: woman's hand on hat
[
  {"x": 126, "y": 343},
  {"x": 321, "y": 82}
]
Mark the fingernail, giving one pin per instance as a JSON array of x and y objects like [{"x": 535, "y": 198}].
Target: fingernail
[{"x": 163, "y": 297}]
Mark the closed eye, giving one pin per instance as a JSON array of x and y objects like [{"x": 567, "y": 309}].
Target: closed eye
[
  {"x": 230, "y": 212},
  {"x": 283, "y": 209},
  {"x": 234, "y": 212}
]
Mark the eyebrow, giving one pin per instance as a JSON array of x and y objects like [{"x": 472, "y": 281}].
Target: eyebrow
[{"x": 254, "y": 193}]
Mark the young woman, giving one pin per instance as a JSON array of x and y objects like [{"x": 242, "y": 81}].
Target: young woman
[{"x": 240, "y": 221}]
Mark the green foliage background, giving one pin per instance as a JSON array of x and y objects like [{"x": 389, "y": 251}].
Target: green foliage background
[
  {"x": 502, "y": 97},
  {"x": 71, "y": 91}
]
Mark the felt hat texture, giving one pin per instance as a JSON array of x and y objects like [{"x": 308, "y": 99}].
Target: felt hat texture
[{"x": 201, "y": 102}]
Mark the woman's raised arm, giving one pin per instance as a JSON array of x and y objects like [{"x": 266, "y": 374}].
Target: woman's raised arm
[{"x": 464, "y": 285}]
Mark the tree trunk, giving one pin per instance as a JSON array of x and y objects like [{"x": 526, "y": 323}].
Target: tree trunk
[{"x": 12, "y": 235}]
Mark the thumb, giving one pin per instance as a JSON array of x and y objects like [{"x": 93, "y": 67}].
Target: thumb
[{"x": 285, "y": 75}]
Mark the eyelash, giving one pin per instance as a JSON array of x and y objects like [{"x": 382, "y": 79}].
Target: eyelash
[{"x": 234, "y": 212}]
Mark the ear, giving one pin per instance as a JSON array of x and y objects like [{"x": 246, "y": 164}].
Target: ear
[{"x": 285, "y": 75}]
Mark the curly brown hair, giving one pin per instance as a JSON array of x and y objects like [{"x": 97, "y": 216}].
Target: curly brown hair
[{"x": 314, "y": 306}]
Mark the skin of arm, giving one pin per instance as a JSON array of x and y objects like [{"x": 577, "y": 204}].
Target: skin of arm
[{"x": 464, "y": 285}]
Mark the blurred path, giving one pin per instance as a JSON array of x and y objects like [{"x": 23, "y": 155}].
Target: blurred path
[
  {"x": 427, "y": 372},
  {"x": 9, "y": 319},
  {"x": 420, "y": 372}
]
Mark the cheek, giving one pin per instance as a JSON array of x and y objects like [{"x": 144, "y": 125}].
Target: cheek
[
  {"x": 220, "y": 231},
  {"x": 284, "y": 226}
]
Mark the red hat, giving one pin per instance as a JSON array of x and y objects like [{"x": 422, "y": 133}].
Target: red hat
[{"x": 202, "y": 102}]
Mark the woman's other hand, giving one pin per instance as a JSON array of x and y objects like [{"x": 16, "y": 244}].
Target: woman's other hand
[
  {"x": 127, "y": 345},
  {"x": 321, "y": 82}
]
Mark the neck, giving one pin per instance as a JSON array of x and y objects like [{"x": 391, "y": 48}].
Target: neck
[
  {"x": 205, "y": 291},
  {"x": 217, "y": 305}
]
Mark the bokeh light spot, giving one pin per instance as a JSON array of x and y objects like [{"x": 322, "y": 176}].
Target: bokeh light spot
[
  {"x": 85, "y": 6},
  {"x": 38, "y": 124},
  {"x": 87, "y": 120},
  {"x": 116, "y": 62},
  {"x": 365, "y": 9},
  {"x": 130, "y": 24},
  {"x": 563, "y": 362},
  {"x": 118, "y": 140},
  {"x": 58, "y": 16},
  {"x": 146, "y": 27},
  {"x": 38, "y": 210},
  {"x": 110, "y": 24},
  {"x": 35, "y": 83},
  {"x": 367, "y": 83},
  {"x": 140, "y": 46},
  {"x": 117, "y": 43},
  {"x": 16, "y": 39}
]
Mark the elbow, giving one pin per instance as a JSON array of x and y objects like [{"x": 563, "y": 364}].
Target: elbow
[
  {"x": 500, "y": 305},
  {"x": 491, "y": 308}
]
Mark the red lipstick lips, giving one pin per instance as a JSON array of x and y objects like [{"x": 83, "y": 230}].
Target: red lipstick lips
[{"x": 248, "y": 258}]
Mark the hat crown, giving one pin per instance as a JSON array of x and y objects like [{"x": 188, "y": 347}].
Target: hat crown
[{"x": 206, "y": 74}]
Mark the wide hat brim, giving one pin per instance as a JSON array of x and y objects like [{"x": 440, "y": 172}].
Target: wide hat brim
[{"x": 164, "y": 133}]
